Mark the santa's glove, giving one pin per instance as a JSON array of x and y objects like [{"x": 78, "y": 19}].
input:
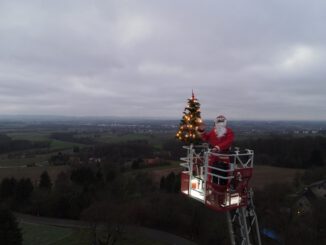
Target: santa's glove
[
  {"x": 201, "y": 129},
  {"x": 216, "y": 148}
]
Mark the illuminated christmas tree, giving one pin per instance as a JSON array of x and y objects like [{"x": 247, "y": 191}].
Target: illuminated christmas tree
[{"x": 190, "y": 122}]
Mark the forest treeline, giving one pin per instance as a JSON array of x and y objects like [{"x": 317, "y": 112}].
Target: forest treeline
[
  {"x": 71, "y": 137},
  {"x": 7, "y": 144},
  {"x": 291, "y": 152},
  {"x": 95, "y": 195},
  {"x": 283, "y": 151}
]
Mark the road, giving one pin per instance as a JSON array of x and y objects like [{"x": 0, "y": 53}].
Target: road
[{"x": 150, "y": 233}]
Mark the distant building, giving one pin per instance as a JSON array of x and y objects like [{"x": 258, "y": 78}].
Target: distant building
[
  {"x": 94, "y": 160},
  {"x": 152, "y": 161},
  {"x": 314, "y": 191},
  {"x": 74, "y": 160},
  {"x": 318, "y": 189}
]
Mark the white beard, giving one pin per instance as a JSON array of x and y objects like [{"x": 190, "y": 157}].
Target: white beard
[{"x": 220, "y": 131}]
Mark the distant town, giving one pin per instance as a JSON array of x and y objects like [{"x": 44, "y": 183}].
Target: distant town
[{"x": 154, "y": 126}]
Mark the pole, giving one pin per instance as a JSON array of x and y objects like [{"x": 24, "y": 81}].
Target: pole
[
  {"x": 243, "y": 216},
  {"x": 230, "y": 226},
  {"x": 191, "y": 162}
]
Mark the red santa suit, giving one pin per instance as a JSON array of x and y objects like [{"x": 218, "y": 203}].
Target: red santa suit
[
  {"x": 220, "y": 139},
  {"x": 222, "y": 143}
]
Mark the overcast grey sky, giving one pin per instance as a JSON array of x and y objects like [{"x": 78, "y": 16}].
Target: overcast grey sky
[{"x": 245, "y": 59}]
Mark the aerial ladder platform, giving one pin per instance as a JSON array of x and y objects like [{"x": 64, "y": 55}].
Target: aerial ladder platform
[{"x": 221, "y": 182}]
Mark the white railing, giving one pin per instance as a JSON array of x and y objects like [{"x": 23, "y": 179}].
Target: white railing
[{"x": 200, "y": 169}]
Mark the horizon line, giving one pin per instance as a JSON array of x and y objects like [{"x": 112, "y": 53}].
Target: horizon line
[{"x": 13, "y": 116}]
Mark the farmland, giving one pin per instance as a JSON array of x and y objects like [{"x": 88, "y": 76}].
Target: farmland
[
  {"x": 43, "y": 136},
  {"x": 33, "y": 172},
  {"x": 14, "y": 166},
  {"x": 263, "y": 175},
  {"x": 34, "y": 156}
]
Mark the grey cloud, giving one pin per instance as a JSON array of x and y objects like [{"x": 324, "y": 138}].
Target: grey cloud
[{"x": 261, "y": 60}]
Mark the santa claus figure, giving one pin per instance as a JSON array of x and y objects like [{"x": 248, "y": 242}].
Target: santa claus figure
[{"x": 220, "y": 139}]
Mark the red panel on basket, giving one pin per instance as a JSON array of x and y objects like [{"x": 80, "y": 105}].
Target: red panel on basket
[
  {"x": 241, "y": 178},
  {"x": 245, "y": 172},
  {"x": 223, "y": 198}
]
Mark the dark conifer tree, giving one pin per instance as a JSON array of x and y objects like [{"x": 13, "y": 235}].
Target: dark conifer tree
[
  {"x": 7, "y": 188},
  {"x": 45, "y": 181},
  {"x": 10, "y": 234},
  {"x": 24, "y": 190}
]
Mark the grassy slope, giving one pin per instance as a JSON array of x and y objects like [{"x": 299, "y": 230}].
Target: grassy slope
[
  {"x": 43, "y": 234},
  {"x": 34, "y": 234}
]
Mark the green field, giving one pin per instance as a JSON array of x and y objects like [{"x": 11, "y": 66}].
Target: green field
[
  {"x": 18, "y": 161},
  {"x": 34, "y": 234},
  {"x": 39, "y": 234},
  {"x": 32, "y": 136},
  {"x": 154, "y": 139},
  {"x": 43, "y": 136},
  {"x": 62, "y": 145},
  {"x": 18, "y": 158}
]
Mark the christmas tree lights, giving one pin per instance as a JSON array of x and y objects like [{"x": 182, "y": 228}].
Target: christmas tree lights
[{"x": 191, "y": 120}]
